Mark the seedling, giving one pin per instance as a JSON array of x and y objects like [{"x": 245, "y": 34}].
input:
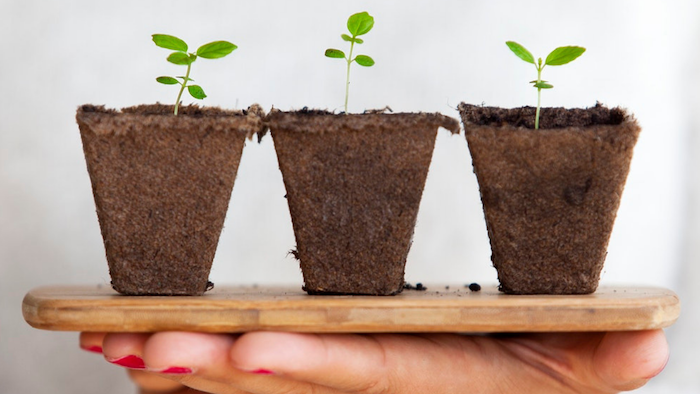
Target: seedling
[
  {"x": 358, "y": 24},
  {"x": 212, "y": 50},
  {"x": 557, "y": 57}
]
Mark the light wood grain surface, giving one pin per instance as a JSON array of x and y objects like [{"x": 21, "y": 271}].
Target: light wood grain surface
[{"x": 439, "y": 309}]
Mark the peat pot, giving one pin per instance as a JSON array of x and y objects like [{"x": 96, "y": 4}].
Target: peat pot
[
  {"x": 354, "y": 184},
  {"x": 550, "y": 196},
  {"x": 162, "y": 185}
]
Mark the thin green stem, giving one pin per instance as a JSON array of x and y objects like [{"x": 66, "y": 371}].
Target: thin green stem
[
  {"x": 182, "y": 89},
  {"x": 539, "y": 91},
  {"x": 537, "y": 113},
  {"x": 347, "y": 76}
]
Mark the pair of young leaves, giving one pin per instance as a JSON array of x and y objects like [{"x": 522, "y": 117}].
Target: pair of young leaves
[
  {"x": 557, "y": 57},
  {"x": 212, "y": 50},
  {"x": 358, "y": 24}
]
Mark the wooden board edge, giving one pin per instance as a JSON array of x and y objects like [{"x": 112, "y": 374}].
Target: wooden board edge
[
  {"x": 58, "y": 315},
  {"x": 31, "y": 311}
]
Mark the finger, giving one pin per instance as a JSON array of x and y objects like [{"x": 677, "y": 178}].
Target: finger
[
  {"x": 181, "y": 390},
  {"x": 565, "y": 358},
  {"x": 374, "y": 363},
  {"x": 627, "y": 360},
  {"x": 594, "y": 362},
  {"x": 152, "y": 383},
  {"x": 125, "y": 350},
  {"x": 328, "y": 360},
  {"x": 92, "y": 341},
  {"x": 202, "y": 361}
]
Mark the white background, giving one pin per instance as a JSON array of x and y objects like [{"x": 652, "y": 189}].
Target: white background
[{"x": 430, "y": 55}]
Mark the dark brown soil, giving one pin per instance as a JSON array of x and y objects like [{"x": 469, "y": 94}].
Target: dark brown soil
[
  {"x": 162, "y": 186},
  {"x": 551, "y": 195},
  {"x": 550, "y": 118},
  {"x": 418, "y": 287},
  {"x": 474, "y": 287},
  {"x": 354, "y": 185}
]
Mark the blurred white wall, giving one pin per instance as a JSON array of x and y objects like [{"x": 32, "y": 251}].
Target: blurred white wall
[{"x": 430, "y": 56}]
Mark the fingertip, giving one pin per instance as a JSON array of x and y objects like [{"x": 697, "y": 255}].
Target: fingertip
[
  {"x": 92, "y": 341},
  {"x": 124, "y": 343},
  {"x": 270, "y": 352},
  {"x": 186, "y": 352},
  {"x": 327, "y": 359},
  {"x": 628, "y": 360},
  {"x": 125, "y": 349}
]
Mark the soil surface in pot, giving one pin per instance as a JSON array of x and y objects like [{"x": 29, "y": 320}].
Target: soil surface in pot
[
  {"x": 354, "y": 184},
  {"x": 550, "y": 196},
  {"x": 162, "y": 185}
]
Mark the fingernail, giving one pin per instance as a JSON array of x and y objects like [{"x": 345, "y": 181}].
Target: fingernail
[
  {"x": 131, "y": 361},
  {"x": 262, "y": 372},
  {"x": 93, "y": 349},
  {"x": 176, "y": 371}
]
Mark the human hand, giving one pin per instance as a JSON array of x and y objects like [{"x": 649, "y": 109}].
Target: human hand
[{"x": 273, "y": 362}]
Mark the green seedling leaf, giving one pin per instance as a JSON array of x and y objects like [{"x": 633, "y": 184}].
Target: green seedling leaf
[
  {"x": 196, "y": 91},
  {"x": 169, "y": 42},
  {"x": 350, "y": 39},
  {"x": 543, "y": 85},
  {"x": 364, "y": 60},
  {"x": 181, "y": 59},
  {"x": 212, "y": 50},
  {"x": 335, "y": 53},
  {"x": 167, "y": 80},
  {"x": 360, "y": 23},
  {"x": 520, "y": 51},
  {"x": 563, "y": 55},
  {"x": 216, "y": 49}
]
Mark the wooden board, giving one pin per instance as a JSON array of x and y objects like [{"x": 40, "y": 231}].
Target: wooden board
[{"x": 241, "y": 309}]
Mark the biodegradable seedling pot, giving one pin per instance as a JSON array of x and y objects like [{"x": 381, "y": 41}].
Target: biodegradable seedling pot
[
  {"x": 550, "y": 196},
  {"x": 162, "y": 185},
  {"x": 354, "y": 185}
]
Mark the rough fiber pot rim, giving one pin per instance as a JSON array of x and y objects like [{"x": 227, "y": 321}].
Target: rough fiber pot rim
[
  {"x": 523, "y": 118},
  {"x": 249, "y": 120},
  {"x": 326, "y": 121}
]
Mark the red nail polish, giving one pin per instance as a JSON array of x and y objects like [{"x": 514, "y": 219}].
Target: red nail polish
[
  {"x": 133, "y": 362},
  {"x": 177, "y": 371},
  {"x": 93, "y": 349},
  {"x": 262, "y": 372}
]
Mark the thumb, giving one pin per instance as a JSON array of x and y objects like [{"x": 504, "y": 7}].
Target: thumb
[{"x": 627, "y": 360}]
